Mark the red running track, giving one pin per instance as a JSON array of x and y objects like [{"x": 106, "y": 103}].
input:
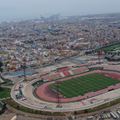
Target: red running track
[{"x": 43, "y": 92}]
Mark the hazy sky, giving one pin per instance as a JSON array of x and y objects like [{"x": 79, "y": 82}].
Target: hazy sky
[{"x": 25, "y": 9}]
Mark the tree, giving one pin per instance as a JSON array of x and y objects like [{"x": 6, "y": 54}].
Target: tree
[{"x": 1, "y": 69}]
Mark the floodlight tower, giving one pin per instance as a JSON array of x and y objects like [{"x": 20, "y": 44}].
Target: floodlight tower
[
  {"x": 24, "y": 68},
  {"x": 99, "y": 53},
  {"x": 58, "y": 94}
]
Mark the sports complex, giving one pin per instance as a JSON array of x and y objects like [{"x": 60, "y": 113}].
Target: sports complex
[{"x": 69, "y": 88}]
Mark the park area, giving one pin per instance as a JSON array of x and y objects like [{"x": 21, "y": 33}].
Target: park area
[
  {"x": 4, "y": 93},
  {"x": 84, "y": 84}
]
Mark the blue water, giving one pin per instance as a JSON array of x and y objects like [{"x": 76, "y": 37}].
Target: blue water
[{"x": 19, "y": 73}]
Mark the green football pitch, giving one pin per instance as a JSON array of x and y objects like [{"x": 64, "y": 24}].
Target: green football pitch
[{"x": 84, "y": 84}]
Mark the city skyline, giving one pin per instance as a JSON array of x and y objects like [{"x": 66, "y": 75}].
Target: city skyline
[{"x": 25, "y": 9}]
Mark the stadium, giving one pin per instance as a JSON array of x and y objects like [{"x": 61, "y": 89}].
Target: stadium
[{"x": 69, "y": 89}]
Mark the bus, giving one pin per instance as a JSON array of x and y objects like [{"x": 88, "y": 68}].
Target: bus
[{"x": 113, "y": 115}]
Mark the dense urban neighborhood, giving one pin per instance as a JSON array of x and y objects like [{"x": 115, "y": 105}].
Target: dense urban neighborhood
[{"x": 45, "y": 41}]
